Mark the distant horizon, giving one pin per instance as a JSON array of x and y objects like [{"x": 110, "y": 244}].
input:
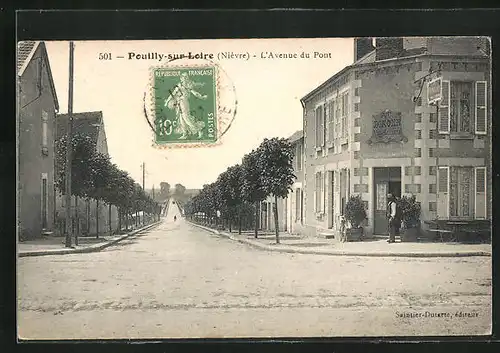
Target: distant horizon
[{"x": 268, "y": 93}]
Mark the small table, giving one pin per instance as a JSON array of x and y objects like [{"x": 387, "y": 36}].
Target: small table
[
  {"x": 453, "y": 227},
  {"x": 456, "y": 225}
]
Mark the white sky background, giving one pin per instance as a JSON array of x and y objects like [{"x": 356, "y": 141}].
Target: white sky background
[{"x": 268, "y": 93}]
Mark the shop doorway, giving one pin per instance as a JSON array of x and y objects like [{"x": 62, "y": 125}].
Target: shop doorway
[{"x": 386, "y": 180}]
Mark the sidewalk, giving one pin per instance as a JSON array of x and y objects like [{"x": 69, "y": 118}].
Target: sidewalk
[
  {"x": 55, "y": 245},
  {"x": 369, "y": 247}
]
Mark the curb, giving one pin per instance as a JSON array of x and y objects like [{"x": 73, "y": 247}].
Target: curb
[
  {"x": 340, "y": 252},
  {"x": 87, "y": 249}
]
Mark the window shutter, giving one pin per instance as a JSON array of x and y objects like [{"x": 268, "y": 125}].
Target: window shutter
[
  {"x": 480, "y": 187},
  {"x": 322, "y": 121},
  {"x": 323, "y": 191},
  {"x": 316, "y": 192},
  {"x": 443, "y": 192},
  {"x": 481, "y": 94},
  {"x": 325, "y": 120},
  {"x": 444, "y": 109},
  {"x": 317, "y": 126}
]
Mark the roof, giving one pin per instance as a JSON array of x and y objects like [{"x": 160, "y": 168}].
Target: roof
[
  {"x": 368, "y": 60},
  {"x": 296, "y": 136},
  {"x": 87, "y": 123},
  {"x": 25, "y": 52}
]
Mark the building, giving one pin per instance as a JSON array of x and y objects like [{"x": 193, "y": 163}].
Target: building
[
  {"x": 90, "y": 124},
  {"x": 37, "y": 108},
  {"x": 373, "y": 128},
  {"x": 290, "y": 209},
  {"x": 294, "y": 209}
]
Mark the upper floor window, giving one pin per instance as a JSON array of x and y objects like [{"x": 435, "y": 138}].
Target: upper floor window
[
  {"x": 331, "y": 120},
  {"x": 45, "y": 122},
  {"x": 298, "y": 156},
  {"x": 462, "y": 108},
  {"x": 320, "y": 126},
  {"x": 344, "y": 114}
]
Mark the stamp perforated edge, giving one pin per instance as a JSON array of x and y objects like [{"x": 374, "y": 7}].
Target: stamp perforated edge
[{"x": 152, "y": 113}]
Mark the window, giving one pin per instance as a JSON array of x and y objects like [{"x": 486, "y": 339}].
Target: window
[
  {"x": 297, "y": 204},
  {"x": 460, "y": 106},
  {"x": 320, "y": 192},
  {"x": 455, "y": 108},
  {"x": 298, "y": 156},
  {"x": 331, "y": 120},
  {"x": 45, "y": 121},
  {"x": 320, "y": 126},
  {"x": 461, "y": 192},
  {"x": 345, "y": 112},
  {"x": 338, "y": 112}
]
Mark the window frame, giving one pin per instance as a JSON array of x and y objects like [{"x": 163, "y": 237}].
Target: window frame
[
  {"x": 453, "y": 102},
  {"x": 472, "y": 193}
]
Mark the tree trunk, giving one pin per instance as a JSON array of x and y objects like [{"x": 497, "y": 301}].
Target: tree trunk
[
  {"x": 77, "y": 233},
  {"x": 229, "y": 221},
  {"x": 239, "y": 223},
  {"x": 87, "y": 209},
  {"x": 97, "y": 218},
  {"x": 276, "y": 220},
  {"x": 120, "y": 220},
  {"x": 257, "y": 207},
  {"x": 109, "y": 216}
]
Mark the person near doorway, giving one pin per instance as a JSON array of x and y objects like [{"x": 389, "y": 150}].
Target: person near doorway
[
  {"x": 394, "y": 217},
  {"x": 175, "y": 218}
]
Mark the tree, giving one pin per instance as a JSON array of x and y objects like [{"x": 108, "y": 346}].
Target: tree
[
  {"x": 164, "y": 191},
  {"x": 102, "y": 178},
  {"x": 83, "y": 159},
  {"x": 252, "y": 188},
  {"x": 231, "y": 193},
  {"x": 179, "y": 189},
  {"x": 277, "y": 173}
]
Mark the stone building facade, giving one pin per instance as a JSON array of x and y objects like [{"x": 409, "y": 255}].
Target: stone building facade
[
  {"x": 371, "y": 129},
  {"x": 37, "y": 108},
  {"x": 290, "y": 209}
]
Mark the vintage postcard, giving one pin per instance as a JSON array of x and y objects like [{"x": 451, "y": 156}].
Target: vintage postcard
[{"x": 321, "y": 187}]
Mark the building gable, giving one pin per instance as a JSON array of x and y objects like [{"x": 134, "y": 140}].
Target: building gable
[{"x": 25, "y": 53}]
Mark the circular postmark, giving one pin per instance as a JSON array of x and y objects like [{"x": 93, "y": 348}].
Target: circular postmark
[{"x": 189, "y": 103}]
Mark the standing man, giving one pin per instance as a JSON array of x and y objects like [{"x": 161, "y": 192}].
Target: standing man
[{"x": 394, "y": 218}]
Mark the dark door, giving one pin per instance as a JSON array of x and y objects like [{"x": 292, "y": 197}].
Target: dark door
[
  {"x": 332, "y": 199},
  {"x": 380, "y": 217},
  {"x": 44, "y": 203},
  {"x": 386, "y": 180}
]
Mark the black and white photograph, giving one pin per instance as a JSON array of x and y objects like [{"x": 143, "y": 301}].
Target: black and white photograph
[{"x": 254, "y": 188}]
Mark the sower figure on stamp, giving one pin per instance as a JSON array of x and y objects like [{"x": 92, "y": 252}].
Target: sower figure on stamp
[
  {"x": 178, "y": 100},
  {"x": 394, "y": 216}
]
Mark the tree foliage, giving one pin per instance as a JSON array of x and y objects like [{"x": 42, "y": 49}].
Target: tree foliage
[
  {"x": 94, "y": 176},
  {"x": 265, "y": 171}
]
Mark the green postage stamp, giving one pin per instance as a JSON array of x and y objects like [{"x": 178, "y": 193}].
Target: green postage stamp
[{"x": 185, "y": 105}]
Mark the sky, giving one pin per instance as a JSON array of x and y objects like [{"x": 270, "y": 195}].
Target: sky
[{"x": 268, "y": 92}]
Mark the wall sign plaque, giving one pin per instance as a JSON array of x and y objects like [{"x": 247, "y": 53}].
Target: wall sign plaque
[{"x": 387, "y": 128}]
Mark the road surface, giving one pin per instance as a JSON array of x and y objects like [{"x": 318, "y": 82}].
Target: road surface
[{"x": 181, "y": 281}]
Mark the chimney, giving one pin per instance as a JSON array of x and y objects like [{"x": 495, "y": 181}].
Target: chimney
[
  {"x": 362, "y": 46},
  {"x": 388, "y": 48}
]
